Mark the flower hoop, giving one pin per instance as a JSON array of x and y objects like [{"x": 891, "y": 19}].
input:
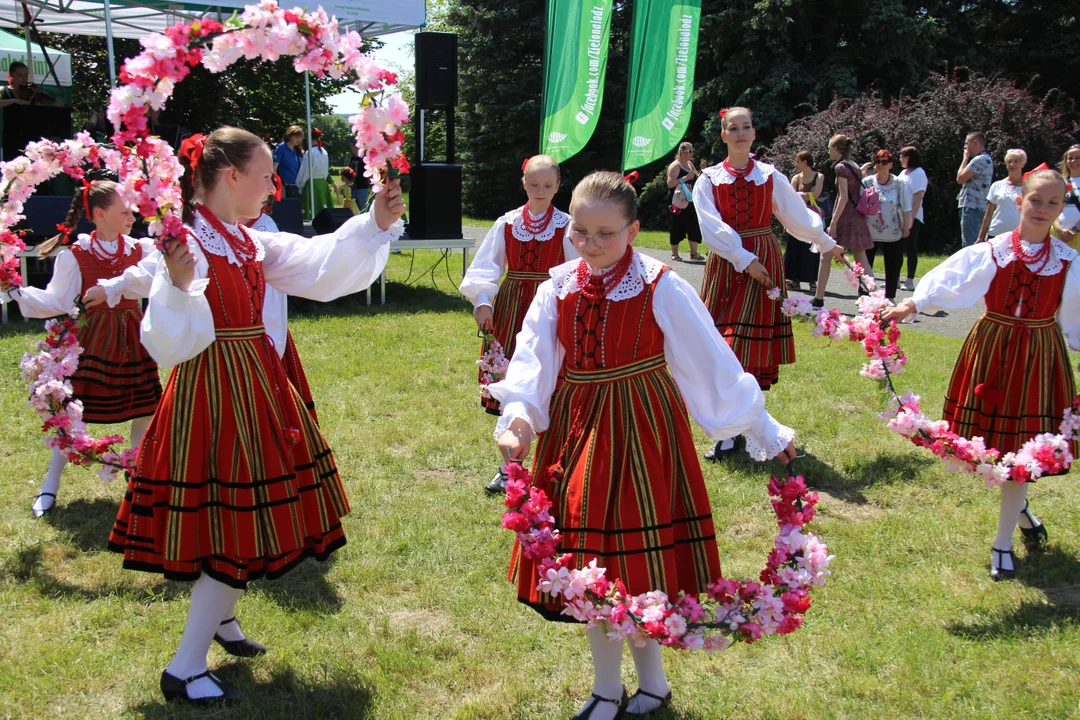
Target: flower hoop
[
  {"x": 262, "y": 31},
  {"x": 1044, "y": 454},
  {"x": 730, "y": 610},
  {"x": 492, "y": 363},
  {"x": 57, "y": 358}
]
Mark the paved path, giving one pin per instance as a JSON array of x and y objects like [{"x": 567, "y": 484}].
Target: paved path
[{"x": 839, "y": 294}]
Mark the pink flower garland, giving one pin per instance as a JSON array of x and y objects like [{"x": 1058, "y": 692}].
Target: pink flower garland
[
  {"x": 730, "y": 610},
  {"x": 1044, "y": 454},
  {"x": 492, "y": 363},
  {"x": 262, "y": 31},
  {"x": 48, "y": 371}
]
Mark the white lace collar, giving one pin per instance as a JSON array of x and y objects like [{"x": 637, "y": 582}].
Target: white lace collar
[
  {"x": 212, "y": 242},
  {"x": 720, "y": 176},
  {"x": 516, "y": 222},
  {"x": 643, "y": 270},
  {"x": 83, "y": 242},
  {"x": 264, "y": 223},
  {"x": 1059, "y": 253}
]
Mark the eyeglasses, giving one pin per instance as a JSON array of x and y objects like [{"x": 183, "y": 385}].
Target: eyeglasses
[
  {"x": 882, "y": 162},
  {"x": 600, "y": 239}
]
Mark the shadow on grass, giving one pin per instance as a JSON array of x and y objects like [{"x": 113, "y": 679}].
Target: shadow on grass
[
  {"x": 86, "y": 522},
  {"x": 303, "y": 588},
  {"x": 338, "y": 694},
  {"x": 1057, "y": 574}
]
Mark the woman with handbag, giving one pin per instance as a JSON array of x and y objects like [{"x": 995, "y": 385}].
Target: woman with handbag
[
  {"x": 681, "y": 174},
  {"x": 800, "y": 261},
  {"x": 848, "y": 226},
  {"x": 892, "y": 222}
]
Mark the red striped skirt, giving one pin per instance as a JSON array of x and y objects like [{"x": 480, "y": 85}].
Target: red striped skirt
[
  {"x": 116, "y": 380},
  {"x": 218, "y": 487},
  {"x": 1028, "y": 362},
  {"x": 294, "y": 370},
  {"x": 753, "y": 325},
  {"x": 511, "y": 304},
  {"x": 632, "y": 495}
]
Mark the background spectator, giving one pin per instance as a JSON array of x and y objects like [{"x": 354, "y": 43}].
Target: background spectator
[
  {"x": 684, "y": 223},
  {"x": 892, "y": 221},
  {"x": 800, "y": 260},
  {"x": 867, "y": 169},
  {"x": 1002, "y": 215},
  {"x": 361, "y": 186},
  {"x": 974, "y": 176},
  {"x": 848, "y": 227},
  {"x": 917, "y": 182},
  {"x": 287, "y": 157}
]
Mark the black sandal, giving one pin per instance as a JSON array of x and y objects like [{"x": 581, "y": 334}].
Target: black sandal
[
  {"x": 596, "y": 700},
  {"x": 173, "y": 688},
  {"x": 1000, "y": 573},
  {"x": 47, "y": 510},
  {"x": 246, "y": 648},
  {"x": 1035, "y": 537},
  {"x": 718, "y": 453},
  {"x": 664, "y": 701}
]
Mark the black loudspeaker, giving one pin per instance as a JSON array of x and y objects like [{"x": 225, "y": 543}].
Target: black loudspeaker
[
  {"x": 45, "y": 212},
  {"x": 436, "y": 70},
  {"x": 435, "y": 202},
  {"x": 286, "y": 214},
  {"x": 330, "y": 219},
  {"x": 25, "y": 123}
]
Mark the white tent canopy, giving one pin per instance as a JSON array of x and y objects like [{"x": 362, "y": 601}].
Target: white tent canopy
[
  {"x": 135, "y": 19},
  {"x": 13, "y": 49}
]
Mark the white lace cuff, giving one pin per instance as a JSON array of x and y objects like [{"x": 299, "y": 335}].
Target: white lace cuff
[
  {"x": 114, "y": 291},
  {"x": 767, "y": 439},
  {"x": 742, "y": 259},
  {"x": 510, "y": 412}
]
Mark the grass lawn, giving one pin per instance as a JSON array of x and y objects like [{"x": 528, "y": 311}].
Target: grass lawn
[{"x": 414, "y": 617}]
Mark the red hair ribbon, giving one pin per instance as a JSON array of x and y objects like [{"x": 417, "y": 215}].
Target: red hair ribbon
[
  {"x": 524, "y": 163},
  {"x": 86, "y": 198},
  {"x": 632, "y": 177},
  {"x": 277, "y": 187},
  {"x": 317, "y": 134},
  {"x": 192, "y": 149},
  {"x": 66, "y": 232},
  {"x": 1044, "y": 166},
  {"x": 722, "y": 113}
]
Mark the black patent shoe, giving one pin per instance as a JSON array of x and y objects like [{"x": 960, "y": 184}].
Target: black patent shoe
[
  {"x": 173, "y": 688},
  {"x": 1000, "y": 573},
  {"x": 665, "y": 700},
  {"x": 1036, "y": 537},
  {"x": 46, "y": 511},
  {"x": 245, "y": 648},
  {"x": 596, "y": 700},
  {"x": 818, "y": 302},
  {"x": 498, "y": 484},
  {"x": 717, "y": 454}
]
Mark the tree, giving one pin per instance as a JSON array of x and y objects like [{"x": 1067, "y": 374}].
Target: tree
[
  {"x": 935, "y": 122},
  {"x": 338, "y": 138}
]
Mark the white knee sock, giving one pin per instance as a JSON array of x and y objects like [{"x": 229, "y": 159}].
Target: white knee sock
[
  {"x": 607, "y": 666},
  {"x": 52, "y": 480},
  {"x": 727, "y": 444},
  {"x": 1013, "y": 496},
  {"x": 230, "y": 631},
  {"x": 209, "y": 601},
  {"x": 649, "y": 664}
]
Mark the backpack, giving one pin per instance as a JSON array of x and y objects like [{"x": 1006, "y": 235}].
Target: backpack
[
  {"x": 682, "y": 197},
  {"x": 869, "y": 204}
]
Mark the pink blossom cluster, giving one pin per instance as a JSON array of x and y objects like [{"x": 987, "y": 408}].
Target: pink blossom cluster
[
  {"x": 773, "y": 293},
  {"x": 1045, "y": 454},
  {"x": 263, "y": 30},
  {"x": 48, "y": 371},
  {"x": 19, "y": 178},
  {"x": 729, "y": 611},
  {"x": 856, "y": 275},
  {"x": 492, "y": 363}
]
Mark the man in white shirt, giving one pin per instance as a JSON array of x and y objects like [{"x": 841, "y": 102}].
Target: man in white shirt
[{"x": 974, "y": 177}]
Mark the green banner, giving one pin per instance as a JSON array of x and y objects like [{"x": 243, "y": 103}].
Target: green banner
[
  {"x": 575, "y": 61},
  {"x": 660, "y": 86}
]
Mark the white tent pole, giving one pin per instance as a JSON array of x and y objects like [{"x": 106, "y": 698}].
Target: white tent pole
[
  {"x": 310, "y": 146},
  {"x": 29, "y": 48},
  {"x": 109, "y": 45}
]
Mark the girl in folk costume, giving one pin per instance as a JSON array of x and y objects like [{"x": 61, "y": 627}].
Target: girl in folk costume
[
  {"x": 614, "y": 350},
  {"x": 234, "y": 481},
  {"x": 736, "y": 202},
  {"x": 135, "y": 282},
  {"x": 1012, "y": 380},
  {"x": 315, "y": 171},
  {"x": 521, "y": 248},
  {"x": 116, "y": 380}
]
